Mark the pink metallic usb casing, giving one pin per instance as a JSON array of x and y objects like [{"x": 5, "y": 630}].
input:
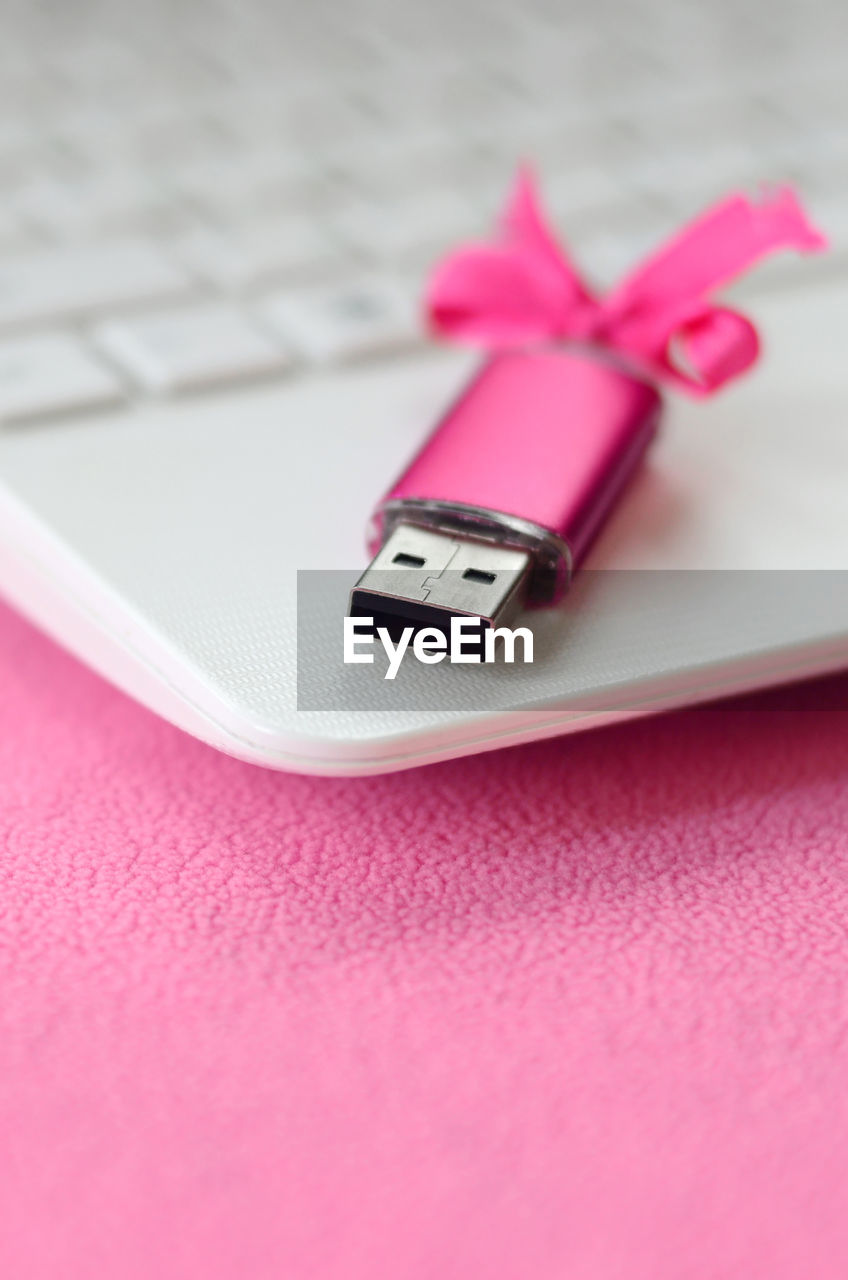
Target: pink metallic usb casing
[{"x": 534, "y": 453}]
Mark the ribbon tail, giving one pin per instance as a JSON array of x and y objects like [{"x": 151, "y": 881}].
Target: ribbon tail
[
  {"x": 662, "y": 313},
  {"x": 523, "y": 227},
  {"x": 715, "y": 248}
]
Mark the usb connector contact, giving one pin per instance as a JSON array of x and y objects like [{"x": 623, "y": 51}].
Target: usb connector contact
[{"x": 424, "y": 577}]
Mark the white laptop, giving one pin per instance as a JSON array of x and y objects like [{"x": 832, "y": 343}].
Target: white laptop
[{"x": 214, "y": 229}]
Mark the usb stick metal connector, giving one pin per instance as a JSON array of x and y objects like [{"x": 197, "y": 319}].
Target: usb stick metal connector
[
  {"x": 505, "y": 497},
  {"x": 424, "y": 577}
]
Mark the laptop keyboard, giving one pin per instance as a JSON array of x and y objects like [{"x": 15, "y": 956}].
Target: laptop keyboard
[{"x": 207, "y": 194}]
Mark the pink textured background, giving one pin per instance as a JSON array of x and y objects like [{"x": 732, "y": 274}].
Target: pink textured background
[{"x": 577, "y": 1010}]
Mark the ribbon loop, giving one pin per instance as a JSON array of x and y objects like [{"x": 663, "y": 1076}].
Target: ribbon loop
[
  {"x": 708, "y": 349},
  {"x": 524, "y": 288}
]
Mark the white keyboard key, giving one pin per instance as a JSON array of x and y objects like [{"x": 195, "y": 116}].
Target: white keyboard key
[
  {"x": 383, "y": 168},
  {"x": 575, "y": 193},
  {"x": 257, "y": 253},
  {"x": 8, "y": 224},
  {"x": 51, "y": 374},
  {"x": 13, "y": 233},
  {"x": 173, "y": 143},
  {"x": 120, "y": 203},
  {"x": 409, "y": 230},
  {"x": 371, "y": 316},
  {"x": 235, "y": 185},
  {"x": 59, "y": 284},
  {"x": 191, "y": 348}
]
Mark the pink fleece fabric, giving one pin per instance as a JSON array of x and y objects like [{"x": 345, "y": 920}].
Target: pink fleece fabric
[{"x": 575, "y": 1010}]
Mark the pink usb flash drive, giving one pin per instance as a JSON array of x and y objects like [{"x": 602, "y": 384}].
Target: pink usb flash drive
[{"x": 502, "y": 502}]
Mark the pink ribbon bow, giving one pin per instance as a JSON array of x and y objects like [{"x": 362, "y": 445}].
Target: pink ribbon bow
[{"x": 524, "y": 288}]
